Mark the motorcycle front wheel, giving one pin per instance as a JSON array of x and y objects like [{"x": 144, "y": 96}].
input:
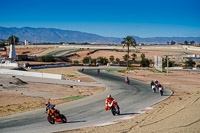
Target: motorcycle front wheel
[
  {"x": 50, "y": 119},
  {"x": 113, "y": 111}
]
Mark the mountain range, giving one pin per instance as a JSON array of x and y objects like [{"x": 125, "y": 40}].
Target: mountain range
[{"x": 52, "y": 35}]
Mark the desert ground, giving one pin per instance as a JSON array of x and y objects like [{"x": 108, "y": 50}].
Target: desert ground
[{"x": 179, "y": 113}]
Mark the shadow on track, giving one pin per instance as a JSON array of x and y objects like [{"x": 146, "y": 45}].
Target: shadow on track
[
  {"x": 75, "y": 121},
  {"x": 129, "y": 113}
]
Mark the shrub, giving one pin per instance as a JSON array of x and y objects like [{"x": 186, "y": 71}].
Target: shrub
[
  {"x": 102, "y": 60},
  {"x": 86, "y": 60},
  {"x": 76, "y": 62},
  {"x": 190, "y": 63},
  {"x": 48, "y": 58},
  {"x": 145, "y": 62},
  {"x": 171, "y": 63}
]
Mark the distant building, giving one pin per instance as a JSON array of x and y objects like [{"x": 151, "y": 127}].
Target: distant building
[
  {"x": 12, "y": 54},
  {"x": 179, "y": 44},
  {"x": 196, "y": 44},
  {"x": 194, "y": 56},
  {"x": 26, "y": 42}
]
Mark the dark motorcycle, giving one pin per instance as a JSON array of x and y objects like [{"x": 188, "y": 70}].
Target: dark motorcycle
[
  {"x": 55, "y": 116},
  {"x": 98, "y": 71},
  {"x": 161, "y": 90}
]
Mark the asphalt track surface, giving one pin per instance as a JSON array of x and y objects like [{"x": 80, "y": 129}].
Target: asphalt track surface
[{"x": 88, "y": 111}]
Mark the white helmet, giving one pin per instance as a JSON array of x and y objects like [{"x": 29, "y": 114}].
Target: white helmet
[{"x": 109, "y": 96}]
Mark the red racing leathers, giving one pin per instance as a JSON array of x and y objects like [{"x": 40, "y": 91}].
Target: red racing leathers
[{"x": 109, "y": 101}]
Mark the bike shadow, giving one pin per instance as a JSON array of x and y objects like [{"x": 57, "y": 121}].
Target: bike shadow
[
  {"x": 75, "y": 121},
  {"x": 167, "y": 95},
  {"x": 129, "y": 113}
]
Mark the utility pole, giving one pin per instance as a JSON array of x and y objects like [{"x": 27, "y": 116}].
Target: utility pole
[{"x": 167, "y": 63}]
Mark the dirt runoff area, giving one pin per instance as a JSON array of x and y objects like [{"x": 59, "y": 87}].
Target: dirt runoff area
[
  {"x": 18, "y": 96},
  {"x": 178, "y": 114}
]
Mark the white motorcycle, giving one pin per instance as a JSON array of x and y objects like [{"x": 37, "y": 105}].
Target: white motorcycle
[
  {"x": 114, "y": 108},
  {"x": 153, "y": 87},
  {"x": 161, "y": 90}
]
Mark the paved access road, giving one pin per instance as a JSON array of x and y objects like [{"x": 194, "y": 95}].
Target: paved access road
[{"x": 88, "y": 111}]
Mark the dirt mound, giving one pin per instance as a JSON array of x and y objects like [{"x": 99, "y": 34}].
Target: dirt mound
[{"x": 19, "y": 82}]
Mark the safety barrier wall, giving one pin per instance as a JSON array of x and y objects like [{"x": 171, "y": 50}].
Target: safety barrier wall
[
  {"x": 32, "y": 74},
  {"x": 174, "y": 68},
  {"x": 49, "y": 66},
  {"x": 9, "y": 64}
]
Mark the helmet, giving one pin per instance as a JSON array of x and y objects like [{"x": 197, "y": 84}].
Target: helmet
[
  {"x": 109, "y": 96},
  {"x": 47, "y": 102}
]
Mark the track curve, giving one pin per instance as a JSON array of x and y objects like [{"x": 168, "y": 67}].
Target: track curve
[{"x": 88, "y": 111}]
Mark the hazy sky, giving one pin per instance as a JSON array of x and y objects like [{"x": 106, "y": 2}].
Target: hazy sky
[{"x": 115, "y": 18}]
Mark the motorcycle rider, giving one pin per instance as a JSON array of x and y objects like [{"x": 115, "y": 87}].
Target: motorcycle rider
[
  {"x": 160, "y": 86},
  {"x": 127, "y": 80},
  {"x": 98, "y": 71},
  {"x": 109, "y": 99},
  {"x": 156, "y": 82},
  {"x": 49, "y": 106},
  {"x": 152, "y": 83}
]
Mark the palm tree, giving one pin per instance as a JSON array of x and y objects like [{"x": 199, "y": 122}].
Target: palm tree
[
  {"x": 13, "y": 40},
  {"x": 186, "y": 42},
  {"x": 117, "y": 60},
  {"x": 128, "y": 42},
  {"x": 134, "y": 56},
  {"x": 112, "y": 58}
]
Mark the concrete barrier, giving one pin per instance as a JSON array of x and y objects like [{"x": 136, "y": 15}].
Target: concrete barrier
[
  {"x": 32, "y": 74},
  {"x": 8, "y": 64},
  {"x": 174, "y": 68}
]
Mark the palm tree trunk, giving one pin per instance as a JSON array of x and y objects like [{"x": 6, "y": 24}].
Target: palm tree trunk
[{"x": 128, "y": 58}]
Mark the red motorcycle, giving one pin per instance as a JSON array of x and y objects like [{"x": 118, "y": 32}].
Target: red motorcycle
[
  {"x": 114, "y": 107},
  {"x": 54, "y": 115},
  {"x": 127, "y": 81}
]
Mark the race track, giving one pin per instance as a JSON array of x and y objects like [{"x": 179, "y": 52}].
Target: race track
[{"x": 88, "y": 111}]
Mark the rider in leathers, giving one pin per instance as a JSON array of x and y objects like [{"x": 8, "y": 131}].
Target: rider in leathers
[{"x": 109, "y": 99}]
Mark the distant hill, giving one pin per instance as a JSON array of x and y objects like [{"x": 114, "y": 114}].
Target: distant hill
[
  {"x": 44, "y": 35},
  {"x": 52, "y": 35},
  {"x": 164, "y": 40}
]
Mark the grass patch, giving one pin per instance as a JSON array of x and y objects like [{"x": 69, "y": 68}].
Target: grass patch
[
  {"x": 69, "y": 75},
  {"x": 133, "y": 68},
  {"x": 73, "y": 98},
  {"x": 122, "y": 71},
  {"x": 154, "y": 70},
  {"x": 111, "y": 70}
]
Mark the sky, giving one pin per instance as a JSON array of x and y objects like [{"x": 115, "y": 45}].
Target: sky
[{"x": 110, "y": 18}]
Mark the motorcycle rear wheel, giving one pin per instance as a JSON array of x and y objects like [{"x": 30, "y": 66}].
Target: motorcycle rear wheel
[
  {"x": 63, "y": 118},
  {"x": 161, "y": 92}
]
